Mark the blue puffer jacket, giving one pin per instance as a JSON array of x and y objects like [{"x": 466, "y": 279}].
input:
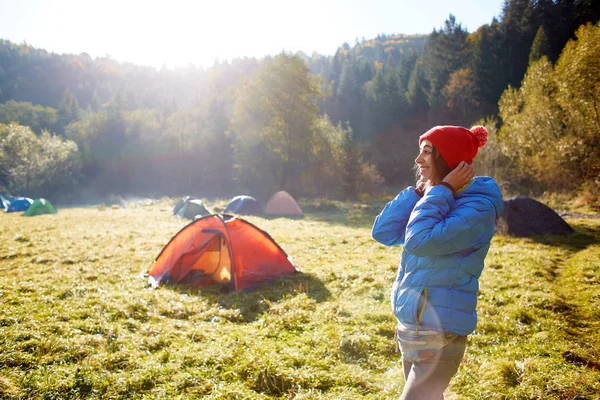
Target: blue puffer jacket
[{"x": 446, "y": 239}]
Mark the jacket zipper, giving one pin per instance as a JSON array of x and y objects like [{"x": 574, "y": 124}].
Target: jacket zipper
[{"x": 422, "y": 310}]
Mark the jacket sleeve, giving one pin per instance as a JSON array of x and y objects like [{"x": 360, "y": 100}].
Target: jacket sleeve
[
  {"x": 390, "y": 224},
  {"x": 436, "y": 228}
]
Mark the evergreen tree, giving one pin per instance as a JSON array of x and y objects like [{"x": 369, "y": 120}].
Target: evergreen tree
[
  {"x": 394, "y": 100},
  {"x": 349, "y": 96},
  {"x": 407, "y": 64},
  {"x": 519, "y": 28},
  {"x": 416, "y": 94},
  {"x": 488, "y": 66},
  {"x": 376, "y": 100},
  {"x": 540, "y": 46},
  {"x": 351, "y": 167},
  {"x": 445, "y": 52},
  {"x": 68, "y": 111},
  {"x": 387, "y": 104},
  {"x": 548, "y": 18}
]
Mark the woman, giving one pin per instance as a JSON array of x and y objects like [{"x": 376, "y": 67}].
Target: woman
[{"x": 446, "y": 224}]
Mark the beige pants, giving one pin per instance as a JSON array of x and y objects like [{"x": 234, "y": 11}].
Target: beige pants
[{"x": 429, "y": 378}]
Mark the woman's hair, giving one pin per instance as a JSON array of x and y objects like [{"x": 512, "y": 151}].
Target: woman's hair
[{"x": 441, "y": 168}]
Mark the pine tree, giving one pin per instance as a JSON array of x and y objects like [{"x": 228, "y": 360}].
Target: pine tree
[
  {"x": 407, "y": 63},
  {"x": 68, "y": 111},
  {"x": 540, "y": 46},
  {"x": 352, "y": 166},
  {"x": 444, "y": 53},
  {"x": 519, "y": 28},
  {"x": 416, "y": 93},
  {"x": 488, "y": 65}
]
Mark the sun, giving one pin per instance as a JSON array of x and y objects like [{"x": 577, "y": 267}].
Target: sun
[{"x": 179, "y": 33}]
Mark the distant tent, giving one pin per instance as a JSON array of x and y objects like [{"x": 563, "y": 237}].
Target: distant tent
[
  {"x": 191, "y": 208},
  {"x": 225, "y": 250},
  {"x": 5, "y": 201},
  {"x": 180, "y": 204},
  {"x": 246, "y": 205},
  {"x": 39, "y": 207},
  {"x": 524, "y": 216},
  {"x": 19, "y": 204},
  {"x": 283, "y": 204}
]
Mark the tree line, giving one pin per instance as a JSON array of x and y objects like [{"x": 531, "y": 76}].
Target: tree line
[{"x": 343, "y": 126}]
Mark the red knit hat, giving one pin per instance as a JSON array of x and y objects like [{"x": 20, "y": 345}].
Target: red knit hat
[{"x": 456, "y": 143}]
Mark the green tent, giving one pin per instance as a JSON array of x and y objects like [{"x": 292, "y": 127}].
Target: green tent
[{"x": 38, "y": 207}]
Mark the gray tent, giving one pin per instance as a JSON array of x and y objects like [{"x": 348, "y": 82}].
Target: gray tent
[
  {"x": 524, "y": 216},
  {"x": 191, "y": 209}
]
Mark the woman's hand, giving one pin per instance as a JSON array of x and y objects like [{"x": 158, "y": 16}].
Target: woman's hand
[{"x": 460, "y": 176}]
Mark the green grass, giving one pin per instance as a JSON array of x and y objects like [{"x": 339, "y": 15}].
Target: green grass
[{"x": 78, "y": 320}]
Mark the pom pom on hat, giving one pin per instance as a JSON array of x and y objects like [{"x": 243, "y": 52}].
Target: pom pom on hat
[
  {"x": 456, "y": 143},
  {"x": 480, "y": 133}
]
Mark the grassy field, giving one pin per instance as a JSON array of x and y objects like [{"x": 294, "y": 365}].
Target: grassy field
[{"x": 78, "y": 320}]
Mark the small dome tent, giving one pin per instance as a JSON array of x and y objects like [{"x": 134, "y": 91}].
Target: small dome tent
[
  {"x": 223, "y": 250},
  {"x": 245, "y": 205},
  {"x": 524, "y": 216},
  {"x": 5, "y": 201},
  {"x": 39, "y": 207},
  {"x": 191, "y": 209},
  {"x": 19, "y": 204},
  {"x": 283, "y": 204},
  {"x": 180, "y": 204}
]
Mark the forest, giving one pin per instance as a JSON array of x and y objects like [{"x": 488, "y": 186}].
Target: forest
[{"x": 342, "y": 126}]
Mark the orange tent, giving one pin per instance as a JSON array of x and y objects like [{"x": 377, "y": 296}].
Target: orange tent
[
  {"x": 221, "y": 249},
  {"x": 283, "y": 204}
]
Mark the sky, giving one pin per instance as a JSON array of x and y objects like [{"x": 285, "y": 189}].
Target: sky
[{"x": 182, "y": 32}]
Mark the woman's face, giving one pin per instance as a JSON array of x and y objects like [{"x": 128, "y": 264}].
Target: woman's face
[{"x": 426, "y": 162}]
